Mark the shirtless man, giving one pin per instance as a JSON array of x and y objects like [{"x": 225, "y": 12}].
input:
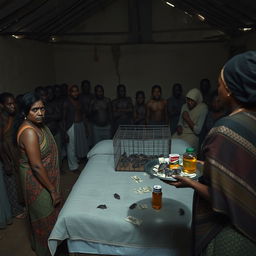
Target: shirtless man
[
  {"x": 156, "y": 108},
  {"x": 53, "y": 117},
  {"x": 174, "y": 105},
  {"x": 122, "y": 108},
  {"x": 9, "y": 154},
  {"x": 7, "y": 148},
  {"x": 140, "y": 109},
  {"x": 75, "y": 126},
  {"x": 101, "y": 115},
  {"x": 86, "y": 95}
]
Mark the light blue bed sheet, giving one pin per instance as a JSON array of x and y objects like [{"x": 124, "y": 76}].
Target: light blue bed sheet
[
  {"x": 96, "y": 248},
  {"x": 89, "y": 229}
]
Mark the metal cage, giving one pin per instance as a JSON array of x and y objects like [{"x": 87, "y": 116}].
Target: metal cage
[{"x": 134, "y": 145}]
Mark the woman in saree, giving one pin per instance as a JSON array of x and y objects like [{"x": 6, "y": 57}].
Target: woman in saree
[
  {"x": 225, "y": 196},
  {"x": 192, "y": 117},
  {"x": 39, "y": 172}
]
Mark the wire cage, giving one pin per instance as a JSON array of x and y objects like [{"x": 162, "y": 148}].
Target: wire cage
[{"x": 134, "y": 145}]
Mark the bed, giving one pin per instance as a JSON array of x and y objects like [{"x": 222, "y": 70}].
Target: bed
[{"x": 89, "y": 229}]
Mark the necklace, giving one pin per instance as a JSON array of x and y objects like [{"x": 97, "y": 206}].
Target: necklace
[
  {"x": 237, "y": 111},
  {"x": 38, "y": 128}
]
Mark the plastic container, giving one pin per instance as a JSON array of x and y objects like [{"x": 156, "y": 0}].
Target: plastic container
[
  {"x": 174, "y": 160},
  {"x": 157, "y": 197},
  {"x": 189, "y": 161}
]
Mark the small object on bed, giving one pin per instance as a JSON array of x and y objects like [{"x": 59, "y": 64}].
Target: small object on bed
[
  {"x": 102, "y": 206},
  {"x": 117, "y": 196},
  {"x": 143, "y": 206},
  {"x": 133, "y": 206},
  {"x": 133, "y": 220},
  {"x": 137, "y": 179},
  {"x": 142, "y": 190},
  {"x": 181, "y": 211}
]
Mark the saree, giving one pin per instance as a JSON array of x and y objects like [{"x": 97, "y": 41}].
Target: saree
[
  {"x": 230, "y": 157},
  {"x": 41, "y": 213}
]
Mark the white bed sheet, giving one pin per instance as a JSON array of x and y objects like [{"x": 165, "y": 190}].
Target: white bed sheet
[{"x": 89, "y": 229}]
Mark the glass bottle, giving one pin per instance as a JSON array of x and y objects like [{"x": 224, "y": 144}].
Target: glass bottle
[
  {"x": 157, "y": 197},
  {"x": 189, "y": 161}
]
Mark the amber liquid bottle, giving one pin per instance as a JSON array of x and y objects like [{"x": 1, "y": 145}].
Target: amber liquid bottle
[
  {"x": 189, "y": 161},
  {"x": 157, "y": 197}
]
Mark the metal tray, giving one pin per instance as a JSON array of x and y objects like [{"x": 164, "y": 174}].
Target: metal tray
[{"x": 150, "y": 165}]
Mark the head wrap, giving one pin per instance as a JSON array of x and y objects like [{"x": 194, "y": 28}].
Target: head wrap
[
  {"x": 195, "y": 95},
  {"x": 70, "y": 87},
  {"x": 239, "y": 74}
]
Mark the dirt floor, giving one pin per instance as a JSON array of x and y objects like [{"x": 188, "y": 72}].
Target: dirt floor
[{"x": 14, "y": 240}]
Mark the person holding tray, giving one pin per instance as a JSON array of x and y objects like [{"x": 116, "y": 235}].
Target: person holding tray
[{"x": 224, "y": 202}]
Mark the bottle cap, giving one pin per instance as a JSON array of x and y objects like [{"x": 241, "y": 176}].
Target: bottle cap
[
  {"x": 190, "y": 150},
  {"x": 157, "y": 188}
]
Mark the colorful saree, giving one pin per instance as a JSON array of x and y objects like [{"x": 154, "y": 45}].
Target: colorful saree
[
  {"x": 41, "y": 213},
  {"x": 230, "y": 162}
]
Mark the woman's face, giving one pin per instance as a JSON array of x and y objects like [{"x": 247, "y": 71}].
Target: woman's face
[{"x": 36, "y": 113}]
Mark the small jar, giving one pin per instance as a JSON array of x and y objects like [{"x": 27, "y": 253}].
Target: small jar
[
  {"x": 189, "y": 161},
  {"x": 174, "y": 160},
  {"x": 157, "y": 197}
]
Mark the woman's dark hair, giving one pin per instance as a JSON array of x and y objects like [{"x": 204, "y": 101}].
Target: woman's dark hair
[{"x": 26, "y": 103}]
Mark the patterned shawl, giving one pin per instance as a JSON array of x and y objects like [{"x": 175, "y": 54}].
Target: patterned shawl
[{"x": 230, "y": 153}]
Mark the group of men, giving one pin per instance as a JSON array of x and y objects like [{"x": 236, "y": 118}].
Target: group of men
[{"x": 78, "y": 119}]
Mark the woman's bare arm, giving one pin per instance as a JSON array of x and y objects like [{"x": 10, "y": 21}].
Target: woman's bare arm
[{"x": 30, "y": 142}]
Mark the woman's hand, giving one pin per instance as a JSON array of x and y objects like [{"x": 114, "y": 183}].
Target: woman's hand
[
  {"x": 182, "y": 182},
  {"x": 56, "y": 198},
  {"x": 185, "y": 182}
]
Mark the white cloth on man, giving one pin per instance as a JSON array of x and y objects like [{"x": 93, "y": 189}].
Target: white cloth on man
[
  {"x": 197, "y": 115},
  {"x": 77, "y": 147}
]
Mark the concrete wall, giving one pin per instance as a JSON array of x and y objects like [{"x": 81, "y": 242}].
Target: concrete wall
[
  {"x": 141, "y": 65},
  {"x": 24, "y": 65}
]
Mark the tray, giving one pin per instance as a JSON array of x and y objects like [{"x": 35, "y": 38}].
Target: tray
[{"x": 150, "y": 165}]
